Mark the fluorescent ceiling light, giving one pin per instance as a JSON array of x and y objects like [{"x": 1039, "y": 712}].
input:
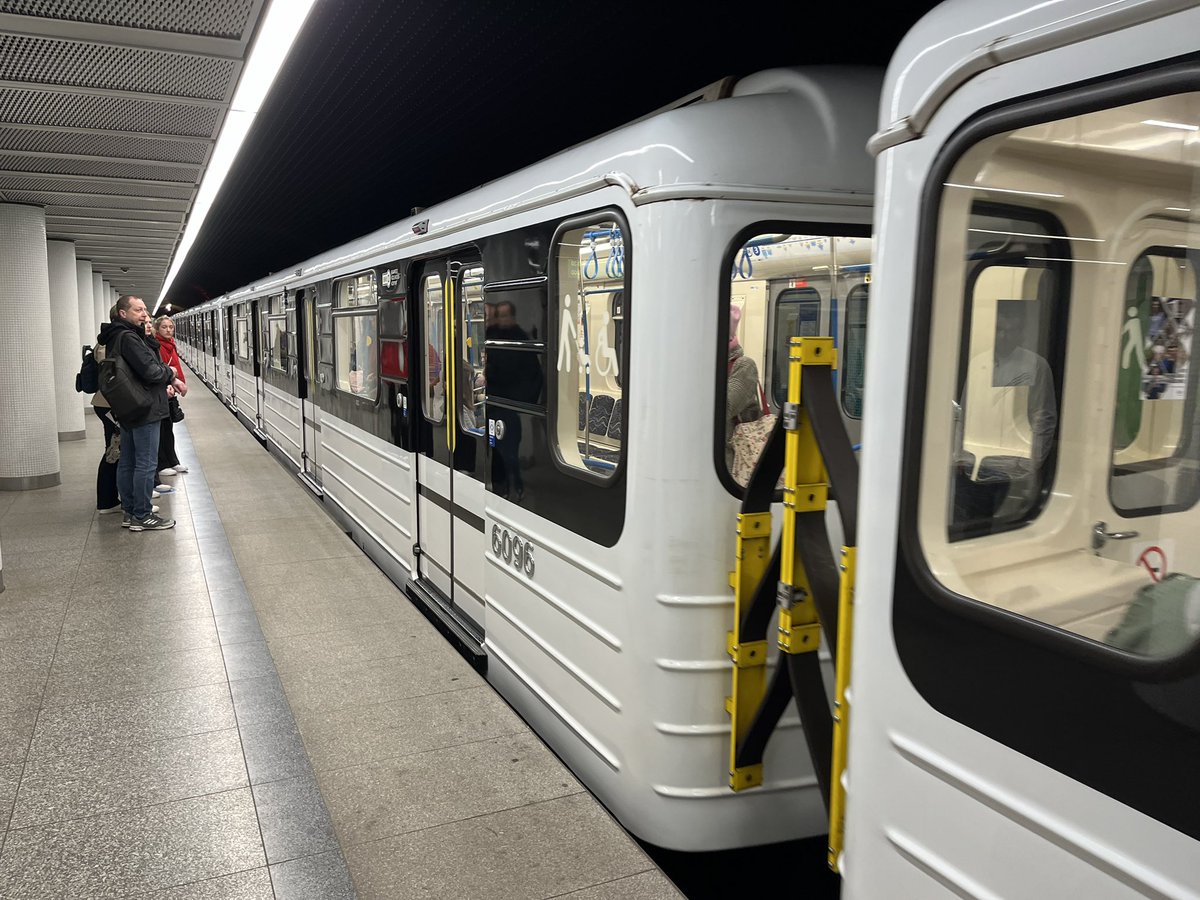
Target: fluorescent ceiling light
[
  {"x": 1048, "y": 237},
  {"x": 1182, "y": 126},
  {"x": 1179, "y": 209},
  {"x": 980, "y": 187},
  {"x": 276, "y": 35},
  {"x": 1094, "y": 262}
]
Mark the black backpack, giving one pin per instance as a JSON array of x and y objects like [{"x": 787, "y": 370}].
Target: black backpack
[
  {"x": 88, "y": 379},
  {"x": 128, "y": 397}
]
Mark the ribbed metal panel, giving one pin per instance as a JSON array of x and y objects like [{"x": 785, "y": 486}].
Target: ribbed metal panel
[
  {"x": 79, "y": 64},
  {"x": 64, "y": 325},
  {"x": 211, "y": 18},
  {"x": 25, "y": 107},
  {"x": 123, "y": 146},
  {"x": 85, "y": 215},
  {"x": 29, "y": 438}
]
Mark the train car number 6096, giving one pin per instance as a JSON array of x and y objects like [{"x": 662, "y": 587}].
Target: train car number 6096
[{"x": 513, "y": 549}]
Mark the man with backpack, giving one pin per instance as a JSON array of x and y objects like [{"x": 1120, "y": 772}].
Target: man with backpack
[{"x": 134, "y": 381}]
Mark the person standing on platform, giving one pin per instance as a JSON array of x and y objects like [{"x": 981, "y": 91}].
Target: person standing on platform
[
  {"x": 168, "y": 461},
  {"x": 139, "y": 432}
]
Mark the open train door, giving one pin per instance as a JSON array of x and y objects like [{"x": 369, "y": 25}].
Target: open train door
[{"x": 1025, "y": 718}]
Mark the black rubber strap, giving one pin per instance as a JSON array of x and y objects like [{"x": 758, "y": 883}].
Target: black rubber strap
[
  {"x": 760, "y": 491},
  {"x": 756, "y": 618},
  {"x": 809, "y": 690},
  {"x": 812, "y": 547},
  {"x": 779, "y": 694},
  {"x": 821, "y": 402}
]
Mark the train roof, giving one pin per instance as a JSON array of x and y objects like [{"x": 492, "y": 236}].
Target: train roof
[
  {"x": 779, "y": 134},
  {"x": 962, "y": 38}
]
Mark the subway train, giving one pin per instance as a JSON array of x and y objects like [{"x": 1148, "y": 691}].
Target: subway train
[{"x": 518, "y": 404}]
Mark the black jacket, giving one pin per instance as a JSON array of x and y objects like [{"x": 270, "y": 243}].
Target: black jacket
[{"x": 145, "y": 364}]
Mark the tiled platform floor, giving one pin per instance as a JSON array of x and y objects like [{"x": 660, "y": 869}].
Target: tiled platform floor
[{"x": 244, "y": 707}]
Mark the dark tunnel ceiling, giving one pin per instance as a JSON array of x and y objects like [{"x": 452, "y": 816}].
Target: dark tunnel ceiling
[{"x": 384, "y": 105}]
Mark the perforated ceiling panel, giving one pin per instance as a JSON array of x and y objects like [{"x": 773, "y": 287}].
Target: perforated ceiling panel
[
  {"x": 91, "y": 111},
  {"x": 119, "y": 145},
  {"x": 108, "y": 113},
  {"x": 215, "y": 18}
]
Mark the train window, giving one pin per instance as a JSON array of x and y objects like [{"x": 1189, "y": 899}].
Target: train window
[
  {"x": 1060, "y": 466},
  {"x": 433, "y": 326},
  {"x": 854, "y": 350},
  {"x": 355, "y": 337},
  {"x": 781, "y": 286},
  {"x": 243, "y": 338},
  {"x": 1150, "y": 467},
  {"x": 358, "y": 290},
  {"x": 592, "y": 287},
  {"x": 472, "y": 392},
  {"x": 277, "y": 341},
  {"x": 1006, "y": 412}
]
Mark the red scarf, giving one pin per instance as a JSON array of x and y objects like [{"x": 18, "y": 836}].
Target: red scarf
[{"x": 170, "y": 355}]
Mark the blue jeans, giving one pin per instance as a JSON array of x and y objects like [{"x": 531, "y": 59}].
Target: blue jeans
[{"x": 136, "y": 468}]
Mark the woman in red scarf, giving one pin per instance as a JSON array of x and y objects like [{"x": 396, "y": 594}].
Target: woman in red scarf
[{"x": 168, "y": 462}]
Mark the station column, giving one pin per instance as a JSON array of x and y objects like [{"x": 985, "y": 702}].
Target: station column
[
  {"x": 100, "y": 298},
  {"x": 64, "y": 321},
  {"x": 29, "y": 439}
]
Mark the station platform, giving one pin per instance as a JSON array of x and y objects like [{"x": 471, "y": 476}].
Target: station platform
[{"x": 245, "y": 707}]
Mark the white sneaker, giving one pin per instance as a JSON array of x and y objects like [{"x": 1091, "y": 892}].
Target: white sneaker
[
  {"x": 154, "y": 495},
  {"x": 164, "y": 489},
  {"x": 180, "y": 468},
  {"x": 154, "y": 508},
  {"x": 163, "y": 472}
]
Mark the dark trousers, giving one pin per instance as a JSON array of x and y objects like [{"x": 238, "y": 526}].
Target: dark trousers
[
  {"x": 135, "y": 471},
  {"x": 166, "y": 445},
  {"x": 106, "y": 473}
]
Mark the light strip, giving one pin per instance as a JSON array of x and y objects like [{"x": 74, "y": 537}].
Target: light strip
[
  {"x": 1179, "y": 209},
  {"x": 276, "y": 35},
  {"x": 1045, "y": 237},
  {"x": 1181, "y": 126},
  {"x": 980, "y": 187},
  {"x": 1094, "y": 262}
]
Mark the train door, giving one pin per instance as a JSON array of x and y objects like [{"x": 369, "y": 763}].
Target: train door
[
  {"x": 229, "y": 353},
  {"x": 1027, "y": 617},
  {"x": 310, "y": 412},
  {"x": 210, "y": 363},
  {"x": 258, "y": 325},
  {"x": 453, "y": 454}
]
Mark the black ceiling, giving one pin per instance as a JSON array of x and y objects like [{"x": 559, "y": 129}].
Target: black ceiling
[{"x": 384, "y": 105}]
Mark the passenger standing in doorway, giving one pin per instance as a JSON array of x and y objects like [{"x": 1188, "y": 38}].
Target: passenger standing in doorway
[
  {"x": 168, "y": 461},
  {"x": 139, "y": 436},
  {"x": 744, "y": 401}
]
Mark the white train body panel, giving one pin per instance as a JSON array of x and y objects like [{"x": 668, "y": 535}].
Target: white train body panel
[{"x": 937, "y": 809}]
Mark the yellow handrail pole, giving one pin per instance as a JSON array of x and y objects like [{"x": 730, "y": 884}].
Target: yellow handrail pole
[
  {"x": 749, "y": 659},
  {"x": 449, "y": 368},
  {"x": 806, "y": 489},
  {"x": 841, "y": 707}
]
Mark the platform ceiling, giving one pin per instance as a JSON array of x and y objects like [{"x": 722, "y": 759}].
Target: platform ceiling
[{"x": 383, "y": 105}]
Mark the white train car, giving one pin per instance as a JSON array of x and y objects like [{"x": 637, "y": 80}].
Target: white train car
[
  {"x": 1025, "y": 717},
  {"x": 516, "y": 401}
]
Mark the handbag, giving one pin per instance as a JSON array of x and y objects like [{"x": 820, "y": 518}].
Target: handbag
[
  {"x": 749, "y": 440},
  {"x": 127, "y": 396},
  {"x": 176, "y": 409}
]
